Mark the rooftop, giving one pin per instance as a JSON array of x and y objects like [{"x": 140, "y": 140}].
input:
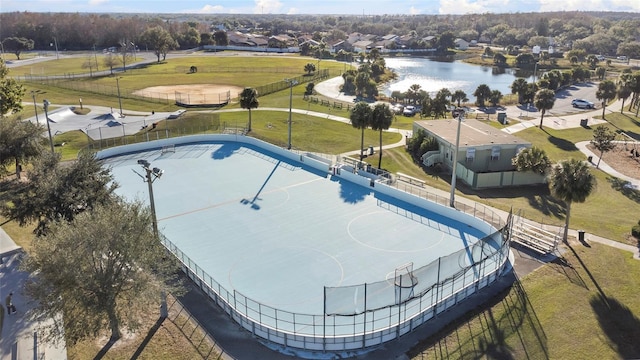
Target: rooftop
[{"x": 472, "y": 133}]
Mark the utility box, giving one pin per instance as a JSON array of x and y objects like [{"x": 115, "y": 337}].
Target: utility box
[{"x": 502, "y": 118}]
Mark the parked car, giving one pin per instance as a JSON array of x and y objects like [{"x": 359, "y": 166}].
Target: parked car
[
  {"x": 409, "y": 110},
  {"x": 622, "y": 58},
  {"x": 582, "y": 104}
]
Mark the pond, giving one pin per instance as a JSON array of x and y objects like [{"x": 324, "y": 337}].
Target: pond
[{"x": 434, "y": 75}]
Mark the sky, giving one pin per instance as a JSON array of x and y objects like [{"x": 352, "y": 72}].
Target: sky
[{"x": 337, "y": 7}]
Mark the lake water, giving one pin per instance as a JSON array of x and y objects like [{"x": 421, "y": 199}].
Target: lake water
[{"x": 434, "y": 75}]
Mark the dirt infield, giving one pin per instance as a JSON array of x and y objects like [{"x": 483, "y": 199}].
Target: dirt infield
[{"x": 193, "y": 94}]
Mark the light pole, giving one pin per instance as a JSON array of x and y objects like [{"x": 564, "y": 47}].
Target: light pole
[
  {"x": 35, "y": 108},
  {"x": 119, "y": 98},
  {"x": 457, "y": 113},
  {"x": 46, "y": 119},
  {"x": 151, "y": 175},
  {"x": 291, "y": 82}
]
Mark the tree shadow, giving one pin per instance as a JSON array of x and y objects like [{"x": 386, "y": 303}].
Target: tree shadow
[
  {"x": 224, "y": 151},
  {"x": 625, "y": 188},
  {"x": 620, "y": 325},
  {"x": 563, "y": 266},
  {"x": 562, "y": 144},
  {"x": 514, "y": 333},
  {"x": 538, "y": 196},
  {"x": 586, "y": 269},
  {"x": 148, "y": 338},
  {"x": 352, "y": 193}
]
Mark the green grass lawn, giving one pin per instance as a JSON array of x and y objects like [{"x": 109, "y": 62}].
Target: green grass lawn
[{"x": 584, "y": 306}]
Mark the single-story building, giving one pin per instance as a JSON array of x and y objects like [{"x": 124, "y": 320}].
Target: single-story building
[
  {"x": 461, "y": 44},
  {"x": 484, "y": 153}
]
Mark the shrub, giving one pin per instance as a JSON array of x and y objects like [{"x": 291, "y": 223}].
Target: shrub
[{"x": 635, "y": 231}]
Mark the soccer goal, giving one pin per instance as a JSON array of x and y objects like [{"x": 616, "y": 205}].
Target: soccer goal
[
  {"x": 404, "y": 277},
  {"x": 168, "y": 149}
]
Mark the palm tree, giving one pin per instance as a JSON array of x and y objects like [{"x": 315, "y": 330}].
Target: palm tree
[
  {"x": 624, "y": 89},
  {"x": 381, "y": 119},
  {"x": 361, "y": 119},
  {"x": 532, "y": 159},
  {"x": 571, "y": 181},
  {"x": 309, "y": 68},
  {"x": 543, "y": 101},
  {"x": 519, "y": 86},
  {"x": 482, "y": 93},
  {"x": 605, "y": 93},
  {"x": 249, "y": 100},
  {"x": 413, "y": 93},
  {"x": 495, "y": 97},
  {"x": 459, "y": 96}
]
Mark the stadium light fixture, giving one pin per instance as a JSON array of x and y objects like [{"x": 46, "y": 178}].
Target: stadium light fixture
[
  {"x": 46, "y": 119},
  {"x": 151, "y": 175}
]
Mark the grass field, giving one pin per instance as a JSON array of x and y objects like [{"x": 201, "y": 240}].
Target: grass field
[{"x": 583, "y": 307}]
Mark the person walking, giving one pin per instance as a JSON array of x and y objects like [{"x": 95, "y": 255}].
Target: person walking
[{"x": 11, "y": 309}]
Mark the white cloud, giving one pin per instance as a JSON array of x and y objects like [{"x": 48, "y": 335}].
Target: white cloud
[
  {"x": 414, "y": 11},
  {"x": 97, "y": 2},
  {"x": 464, "y": 6},
  {"x": 267, "y": 7},
  {"x": 211, "y": 9},
  {"x": 293, "y": 11}
]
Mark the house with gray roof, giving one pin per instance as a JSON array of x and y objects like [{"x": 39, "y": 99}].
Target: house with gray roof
[{"x": 484, "y": 153}]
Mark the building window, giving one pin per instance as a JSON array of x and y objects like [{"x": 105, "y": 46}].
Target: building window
[
  {"x": 495, "y": 153},
  {"x": 471, "y": 154}
]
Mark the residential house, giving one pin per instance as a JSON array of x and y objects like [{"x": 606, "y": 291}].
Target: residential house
[{"x": 461, "y": 44}]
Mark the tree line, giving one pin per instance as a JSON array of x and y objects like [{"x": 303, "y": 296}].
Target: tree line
[{"x": 604, "y": 33}]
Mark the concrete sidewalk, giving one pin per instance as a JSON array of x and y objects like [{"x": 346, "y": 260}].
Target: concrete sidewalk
[{"x": 19, "y": 336}]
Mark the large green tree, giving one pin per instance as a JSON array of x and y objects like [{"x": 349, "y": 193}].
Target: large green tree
[
  {"x": 58, "y": 192},
  {"x": 17, "y": 45},
  {"x": 543, "y": 101},
  {"x": 20, "y": 141},
  {"x": 381, "y": 119},
  {"x": 11, "y": 92},
  {"x": 101, "y": 271},
  {"x": 360, "y": 117},
  {"x": 159, "y": 40},
  {"x": 249, "y": 100},
  {"x": 571, "y": 181},
  {"x": 605, "y": 93}
]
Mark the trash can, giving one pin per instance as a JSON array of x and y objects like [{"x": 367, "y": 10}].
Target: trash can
[
  {"x": 370, "y": 150},
  {"x": 581, "y": 235},
  {"x": 584, "y": 122},
  {"x": 590, "y": 159}
]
